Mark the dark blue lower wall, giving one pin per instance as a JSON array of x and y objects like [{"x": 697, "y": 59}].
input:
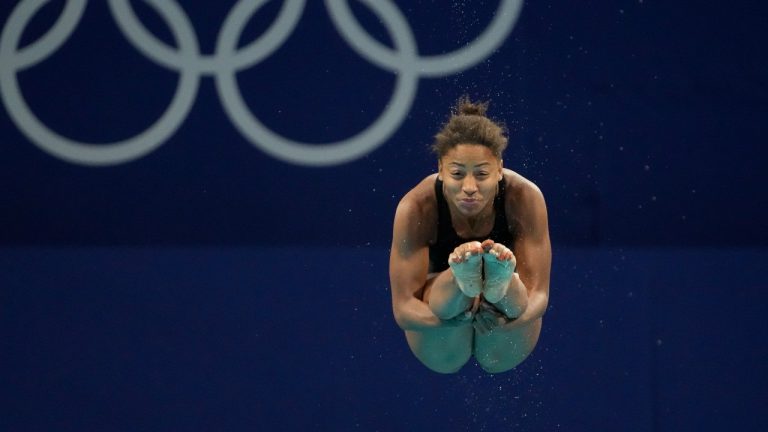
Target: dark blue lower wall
[{"x": 289, "y": 339}]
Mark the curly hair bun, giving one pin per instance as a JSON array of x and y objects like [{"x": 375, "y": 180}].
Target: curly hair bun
[
  {"x": 466, "y": 107},
  {"x": 469, "y": 125}
]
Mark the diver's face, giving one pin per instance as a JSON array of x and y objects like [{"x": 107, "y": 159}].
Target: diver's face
[{"x": 470, "y": 175}]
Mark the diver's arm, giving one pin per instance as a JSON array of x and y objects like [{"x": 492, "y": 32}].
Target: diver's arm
[
  {"x": 408, "y": 270},
  {"x": 533, "y": 254}
]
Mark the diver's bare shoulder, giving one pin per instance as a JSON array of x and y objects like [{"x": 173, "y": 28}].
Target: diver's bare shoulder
[
  {"x": 420, "y": 206},
  {"x": 523, "y": 199}
]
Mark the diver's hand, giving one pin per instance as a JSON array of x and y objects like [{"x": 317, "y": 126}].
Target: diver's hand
[{"x": 488, "y": 319}]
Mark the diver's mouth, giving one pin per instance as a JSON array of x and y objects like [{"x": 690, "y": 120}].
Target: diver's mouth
[{"x": 469, "y": 203}]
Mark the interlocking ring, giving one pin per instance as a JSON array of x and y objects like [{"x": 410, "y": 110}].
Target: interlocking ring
[{"x": 227, "y": 59}]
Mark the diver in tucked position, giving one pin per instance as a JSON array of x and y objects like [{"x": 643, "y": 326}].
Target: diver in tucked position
[{"x": 470, "y": 259}]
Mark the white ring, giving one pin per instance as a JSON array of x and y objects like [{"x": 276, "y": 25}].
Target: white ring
[
  {"x": 223, "y": 65},
  {"x": 342, "y": 151},
  {"x": 429, "y": 66},
  {"x": 51, "y": 41},
  {"x": 75, "y": 151},
  {"x": 237, "y": 18}
]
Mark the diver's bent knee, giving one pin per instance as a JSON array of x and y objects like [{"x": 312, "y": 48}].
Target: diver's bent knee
[
  {"x": 495, "y": 367},
  {"x": 494, "y": 359},
  {"x": 446, "y": 368},
  {"x": 446, "y": 364}
]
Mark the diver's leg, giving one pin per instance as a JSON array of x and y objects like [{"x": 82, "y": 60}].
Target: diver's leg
[
  {"x": 442, "y": 349},
  {"x": 505, "y": 297},
  {"x": 501, "y": 350}
]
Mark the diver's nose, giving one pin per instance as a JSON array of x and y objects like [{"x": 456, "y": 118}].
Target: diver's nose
[{"x": 469, "y": 186}]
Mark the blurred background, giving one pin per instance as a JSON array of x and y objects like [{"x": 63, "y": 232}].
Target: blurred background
[{"x": 198, "y": 199}]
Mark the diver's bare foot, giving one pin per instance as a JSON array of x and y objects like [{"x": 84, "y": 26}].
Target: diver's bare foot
[
  {"x": 466, "y": 262},
  {"x": 499, "y": 263}
]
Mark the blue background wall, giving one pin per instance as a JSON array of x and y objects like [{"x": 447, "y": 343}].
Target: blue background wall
[{"x": 211, "y": 285}]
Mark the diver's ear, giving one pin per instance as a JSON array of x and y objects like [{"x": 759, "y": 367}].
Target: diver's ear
[
  {"x": 439, "y": 169},
  {"x": 501, "y": 169}
]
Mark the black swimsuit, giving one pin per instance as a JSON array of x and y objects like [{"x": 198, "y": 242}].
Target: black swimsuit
[{"x": 448, "y": 239}]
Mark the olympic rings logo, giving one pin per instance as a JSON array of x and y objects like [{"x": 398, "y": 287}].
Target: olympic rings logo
[{"x": 224, "y": 64}]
